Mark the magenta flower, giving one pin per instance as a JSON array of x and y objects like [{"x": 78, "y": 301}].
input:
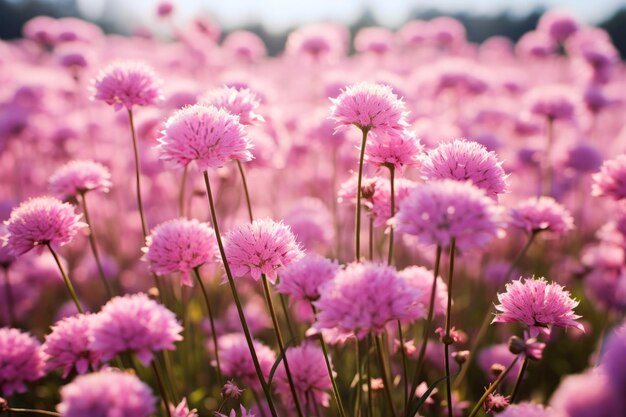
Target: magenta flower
[
  {"x": 180, "y": 245},
  {"x": 78, "y": 177},
  {"x": 611, "y": 180},
  {"x": 381, "y": 199},
  {"x": 369, "y": 106},
  {"x": 205, "y": 134},
  {"x": 363, "y": 298},
  {"x": 538, "y": 305},
  {"x": 233, "y": 413},
  {"x": 541, "y": 214},
  {"x": 463, "y": 160},
  {"x": 527, "y": 409},
  {"x": 442, "y": 210},
  {"x": 182, "y": 410},
  {"x": 134, "y": 323},
  {"x": 262, "y": 247},
  {"x": 231, "y": 390},
  {"x": 107, "y": 393},
  {"x": 236, "y": 360},
  {"x": 39, "y": 222},
  {"x": 553, "y": 102},
  {"x": 21, "y": 361},
  {"x": 67, "y": 346},
  {"x": 239, "y": 102},
  {"x": 591, "y": 394},
  {"x": 393, "y": 148},
  {"x": 559, "y": 24},
  {"x": 613, "y": 361},
  {"x": 127, "y": 84},
  {"x": 303, "y": 279},
  {"x": 421, "y": 279}
]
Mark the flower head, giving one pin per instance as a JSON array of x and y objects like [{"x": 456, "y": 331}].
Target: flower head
[
  {"x": 303, "y": 279},
  {"x": 554, "y": 102},
  {"x": 590, "y": 394},
  {"x": 107, "y": 393},
  {"x": 381, "y": 198},
  {"x": 67, "y": 346},
  {"x": 463, "y": 160},
  {"x": 182, "y": 410},
  {"x": 611, "y": 180},
  {"x": 205, "y": 134},
  {"x": 613, "y": 361},
  {"x": 541, "y": 214},
  {"x": 239, "y": 102},
  {"x": 369, "y": 106},
  {"x": 442, "y": 210},
  {"x": 496, "y": 402},
  {"x": 231, "y": 390},
  {"x": 393, "y": 149},
  {"x": 180, "y": 245},
  {"x": 526, "y": 409},
  {"x": 538, "y": 305},
  {"x": 21, "y": 361},
  {"x": 41, "y": 221},
  {"x": 262, "y": 247},
  {"x": 127, "y": 84},
  {"x": 236, "y": 360},
  {"x": 233, "y": 413},
  {"x": 421, "y": 279},
  {"x": 134, "y": 323},
  {"x": 559, "y": 24},
  {"x": 78, "y": 177}
]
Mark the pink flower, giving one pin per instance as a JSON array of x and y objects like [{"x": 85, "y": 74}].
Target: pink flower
[
  {"x": 127, "y": 84},
  {"x": 463, "y": 160},
  {"x": 233, "y": 413},
  {"x": 78, "y": 177},
  {"x": 180, "y": 245},
  {"x": 308, "y": 219},
  {"x": 41, "y": 221},
  {"x": 309, "y": 374},
  {"x": 205, "y": 134},
  {"x": 165, "y": 9},
  {"x": 369, "y": 106},
  {"x": 319, "y": 42},
  {"x": 182, "y": 410},
  {"x": 236, "y": 360},
  {"x": 613, "y": 361},
  {"x": 538, "y": 305},
  {"x": 239, "y": 102},
  {"x": 421, "y": 279},
  {"x": 303, "y": 279},
  {"x": 231, "y": 390},
  {"x": 107, "y": 393},
  {"x": 496, "y": 402},
  {"x": 559, "y": 24},
  {"x": 590, "y": 394},
  {"x": 373, "y": 39},
  {"x": 553, "y": 102},
  {"x": 21, "y": 361},
  {"x": 381, "y": 200},
  {"x": 541, "y": 214},
  {"x": 611, "y": 180},
  {"x": 134, "y": 323},
  {"x": 526, "y": 409},
  {"x": 262, "y": 247},
  {"x": 442, "y": 210},
  {"x": 67, "y": 346},
  {"x": 393, "y": 149},
  {"x": 363, "y": 298}
]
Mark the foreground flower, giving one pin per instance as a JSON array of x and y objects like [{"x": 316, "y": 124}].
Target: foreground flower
[
  {"x": 526, "y": 410},
  {"x": 363, "y": 298},
  {"x": 127, "y": 84},
  {"x": 538, "y": 305},
  {"x": 21, "y": 361},
  {"x": 78, "y": 177},
  {"x": 39, "y": 222},
  {"x": 236, "y": 360},
  {"x": 541, "y": 214},
  {"x": 553, "y": 102},
  {"x": 239, "y": 102},
  {"x": 590, "y": 394},
  {"x": 136, "y": 324},
  {"x": 393, "y": 149},
  {"x": 421, "y": 279},
  {"x": 205, "y": 134},
  {"x": 67, "y": 346},
  {"x": 611, "y": 180},
  {"x": 180, "y": 245},
  {"x": 261, "y": 247},
  {"x": 107, "y": 393},
  {"x": 303, "y": 279}
]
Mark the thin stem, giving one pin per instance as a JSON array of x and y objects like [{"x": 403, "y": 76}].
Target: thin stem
[
  {"x": 283, "y": 303},
  {"x": 66, "y": 279},
  {"x": 281, "y": 343},
  {"x": 518, "y": 381},
  {"x": 370, "y": 394},
  {"x": 357, "y": 238},
  {"x": 231, "y": 282},
  {"x": 371, "y": 239},
  {"x": 33, "y": 411},
  {"x": 547, "y": 180},
  {"x": 94, "y": 246},
  {"x": 333, "y": 202},
  {"x": 8, "y": 292},
  {"x": 245, "y": 189},
  {"x": 181, "y": 193},
  {"x": 447, "y": 341},
  {"x": 493, "y": 386},
  {"x": 359, "y": 375},
  {"x": 333, "y": 380},
  {"x": 392, "y": 175},
  {"x": 166, "y": 403},
  {"x": 405, "y": 369},
  {"x": 144, "y": 227},
  {"x": 385, "y": 374},
  {"x": 212, "y": 322}
]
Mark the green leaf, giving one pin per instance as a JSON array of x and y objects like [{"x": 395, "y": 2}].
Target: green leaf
[
  {"x": 278, "y": 360},
  {"x": 421, "y": 400}
]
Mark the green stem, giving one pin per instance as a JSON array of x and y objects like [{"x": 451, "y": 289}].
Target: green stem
[
  {"x": 212, "y": 322},
  {"x": 283, "y": 303},
  {"x": 518, "y": 381},
  {"x": 492, "y": 387},
  {"x": 157, "y": 375},
  {"x": 384, "y": 370},
  {"x": 392, "y": 174},
  {"x": 357, "y": 238},
  {"x": 370, "y": 394},
  {"x": 447, "y": 341},
  {"x": 547, "y": 181},
  {"x": 371, "y": 238},
  {"x": 66, "y": 279},
  {"x": 144, "y": 227},
  {"x": 8, "y": 292},
  {"x": 405, "y": 369},
  {"x": 94, "y": 246},
  {"x": 33, "y": 411},
  {"x": 245, "y": 189},
  {"x": 181, "y": 193},
  {"x": 359, "y": 376}
]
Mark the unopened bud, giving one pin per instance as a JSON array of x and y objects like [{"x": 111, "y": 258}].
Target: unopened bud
[
  {"x": 153, "y": 293},
  {"x": 461, "y": 356},
  {"x": 516, "y": 345},
  {"x": 497, "y": 369}
]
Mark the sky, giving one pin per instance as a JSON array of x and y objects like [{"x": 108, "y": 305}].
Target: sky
[{"x": 279, "y": 15}]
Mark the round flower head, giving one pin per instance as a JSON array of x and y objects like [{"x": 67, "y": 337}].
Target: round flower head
[
  {"x": 233, "y": 413},
  {"x": 182, "y": 410},
  {"x": 39, "y": 222},
  {"x": 303, "y": 279},
  {"x": 591, "y": 394},
  {"x": 538, "y": 305},
  {"x": 554, "y": 102},
  {"x": 240, "y": 102},
  {"x": 180, "y": 245},
  {"x": 107, "y": 394},
  {"x": 205, "y": 134},
  {"x": 364, "y": 297},
  {"x": 236, "y": 360},
  {"x": 611, "y": 180},
  {"x": 559, "y": 24},
  {"x": 262, "y": 247},
  {"x": 21, "y": 361},
  {"x": 526, "y": 409},
  {"x": 368, "y": 106},
  {"x": 127, "y": 84},
  {"x": 134, "y": 323},
  {"x": 309, "y": 374},
  {"x": 67, "y": 346},
  {"x": 78, "y": 177},
  {"x": 393, "y": 149},
  {"x": 442, "y": 210},
  {"x": 541, "y": 214},
  {"x": 421, "y": 279},
  {"x": 463, "y": 160}
]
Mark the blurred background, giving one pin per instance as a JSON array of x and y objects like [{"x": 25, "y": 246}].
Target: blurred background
[{"x": 272, "y": 19}]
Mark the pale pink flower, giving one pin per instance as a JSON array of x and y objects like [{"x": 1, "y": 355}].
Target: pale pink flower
[
  {"x": 611, "y": 180},
  {"x": 421, "y": 279},
  {"x": 78, "y": 177},
  {"x": 127, "y": 84},
  {"x": 236, "y": 360},
  {"x": 21, "y": 361},
  {"x": 303, "y": 279},
  {"x": 541, "y": 214},
  {"x": 239, "y": 102},
  {"x": 182, "y": 410},
  {"x": 393, "y": 149},
  {"x": 553, "y": 102}
]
